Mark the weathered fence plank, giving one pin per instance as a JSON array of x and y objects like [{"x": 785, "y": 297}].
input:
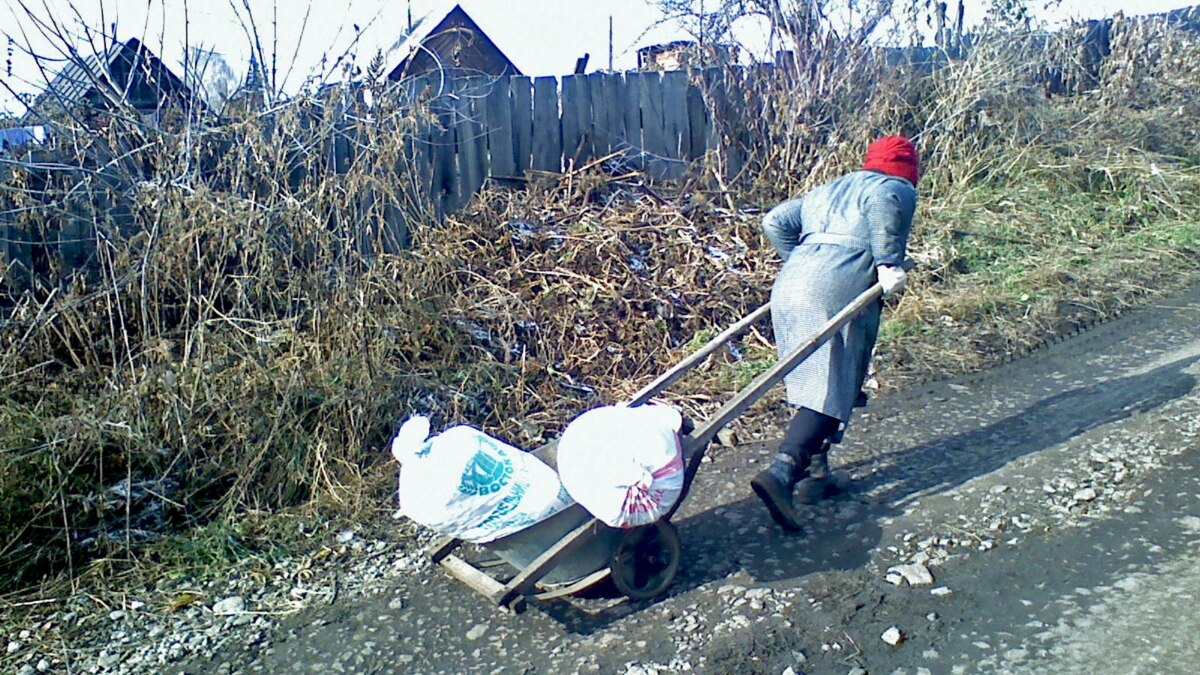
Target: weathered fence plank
[
  {"x": 18, "y": 257},
  {"x": 472, "y": 155},
  {"x": 653, "y": 137},
  {"x": 675, "y": 120},
  {"x": 601, "y": 134},
  {"x": 480, "y": 112},
  {"x": 444, "y": 183},
  {"x": 395, "y": 229},
  {"x": 714, "y": 89},
  {"x": 77, "y": 237},
  {"x": 501, "y": 158},
  {"x": 605, "y": 107},
  {"x": 587, "y": 142},
  {"x": 631, "y": 96},
  {"x": 576, "y": 120},
  {"x": 521, "y": 99},
  {"x": 614, "y": 110},
  {"x": 729, "y": 80},
  {"x": 547, "y": 130},
  {"x": 572, "y": 129},
  {"x": 698, "y": 121}
]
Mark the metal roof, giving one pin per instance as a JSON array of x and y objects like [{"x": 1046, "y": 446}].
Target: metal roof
[{"x": 119, "y": 69}]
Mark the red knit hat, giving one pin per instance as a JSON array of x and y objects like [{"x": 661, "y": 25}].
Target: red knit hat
[{"x": 895, "y": 156}]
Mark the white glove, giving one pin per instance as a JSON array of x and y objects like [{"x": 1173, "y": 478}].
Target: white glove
[{"x": 892, "y": 278}]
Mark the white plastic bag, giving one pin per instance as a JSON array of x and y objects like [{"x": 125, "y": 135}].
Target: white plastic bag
[
  {"x": 468, "y": 485},
  {"x": 624, "y": 465}
]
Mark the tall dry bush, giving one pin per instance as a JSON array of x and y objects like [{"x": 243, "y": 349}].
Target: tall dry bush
[
  {"x": 246, "y": 336},
  {"x": 1150, "y": 85},
  {"x": 231, "y": 342}
]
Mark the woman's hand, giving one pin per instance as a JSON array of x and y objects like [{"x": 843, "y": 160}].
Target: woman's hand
[{"x": 892, "y": 278}]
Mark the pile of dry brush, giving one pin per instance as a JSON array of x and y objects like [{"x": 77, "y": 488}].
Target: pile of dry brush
[{"x": 251, "y": 343}]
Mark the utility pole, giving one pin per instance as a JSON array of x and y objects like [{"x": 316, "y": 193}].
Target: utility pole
[{"x": 610, "y": 51}]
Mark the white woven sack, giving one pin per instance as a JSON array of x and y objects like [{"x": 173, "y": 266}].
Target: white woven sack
[{"x": 624, "y": 465}]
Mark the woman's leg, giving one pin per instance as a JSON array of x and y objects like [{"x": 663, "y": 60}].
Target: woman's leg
[{"x": 806, "y": 435}]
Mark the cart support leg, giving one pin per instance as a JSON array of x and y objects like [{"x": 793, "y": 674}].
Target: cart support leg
[
  {"x": 442, "y": 548},
  {"x": 482, "y": 583}
]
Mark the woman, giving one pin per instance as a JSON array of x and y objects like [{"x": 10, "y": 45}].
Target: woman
[{"x": 836, "y": 242}]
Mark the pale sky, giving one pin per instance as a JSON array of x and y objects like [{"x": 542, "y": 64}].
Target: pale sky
[{"x": 542, "y": 37}]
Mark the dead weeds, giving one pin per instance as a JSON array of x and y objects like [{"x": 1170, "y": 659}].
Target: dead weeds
[{"x": 249, "y": 349}]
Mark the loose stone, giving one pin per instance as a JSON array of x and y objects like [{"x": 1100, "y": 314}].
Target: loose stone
[
  {"x": 234, "y": 604},
  {"x": 915, "y": 574}
]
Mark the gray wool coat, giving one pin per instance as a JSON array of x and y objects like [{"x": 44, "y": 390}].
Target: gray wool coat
[{"x": 831, "y": 240}]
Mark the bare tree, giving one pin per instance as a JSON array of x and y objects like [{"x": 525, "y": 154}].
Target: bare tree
[
  {"x": 208, "y": 74},
  {"x": 708, "y": 21},
  {"x": 800, "y": 26}
]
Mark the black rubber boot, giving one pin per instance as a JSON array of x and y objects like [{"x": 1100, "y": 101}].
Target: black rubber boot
[
  {"x": 812, "y": 488},
  {"x": 821, "y": 483},
  {"x": 774, "y": 487}
]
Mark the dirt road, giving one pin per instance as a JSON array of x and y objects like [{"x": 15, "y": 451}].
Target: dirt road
[{"x": 1054, "y": 502}]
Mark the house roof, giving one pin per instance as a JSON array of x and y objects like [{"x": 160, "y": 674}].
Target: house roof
[
  {"x": 114, "y": 69},
  {"x": 429, "y": 31}
]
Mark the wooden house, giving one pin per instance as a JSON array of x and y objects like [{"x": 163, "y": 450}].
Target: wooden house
[
  {"x": 455, "y": 45},
  {"x": 684, "y": 54},
  {"x": 125, "y": 75}
]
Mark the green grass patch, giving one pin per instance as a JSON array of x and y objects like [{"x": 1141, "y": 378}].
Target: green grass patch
[
  {"x": 892, "y": 329},
  {"x": 1168, "y": 236}
]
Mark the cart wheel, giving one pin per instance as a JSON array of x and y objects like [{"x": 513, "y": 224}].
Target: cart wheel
[{"x": 646, "y": 560}]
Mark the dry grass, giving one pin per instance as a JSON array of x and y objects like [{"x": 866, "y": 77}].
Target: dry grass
[{"x": 248, "y": 347}]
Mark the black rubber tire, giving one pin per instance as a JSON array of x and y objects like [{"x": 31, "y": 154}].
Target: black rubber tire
[{"x": 646, "y": 560}]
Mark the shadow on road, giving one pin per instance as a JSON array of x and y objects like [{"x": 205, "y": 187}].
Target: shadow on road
[
  {"x": 738, "y": 536},
  {"x": 942, "y": 464}
]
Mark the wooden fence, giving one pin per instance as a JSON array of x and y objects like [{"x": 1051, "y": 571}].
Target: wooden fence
[
  {"x": 479, "y": 129},
  {"x": 501, "y": 128}
]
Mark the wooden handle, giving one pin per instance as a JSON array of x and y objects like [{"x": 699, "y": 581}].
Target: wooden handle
[
  {"x": 668, "y": 378},
  {"x": 775, "y": 374}
]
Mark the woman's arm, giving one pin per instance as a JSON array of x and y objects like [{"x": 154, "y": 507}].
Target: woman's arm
[
  {"x": 783, "y": 226},
  {"x": 889, "y": 216}
]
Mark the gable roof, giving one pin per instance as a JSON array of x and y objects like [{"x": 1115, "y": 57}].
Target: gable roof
[
  {"x": 427, "y": 48},
  {"x": 125, "y": 70}
]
